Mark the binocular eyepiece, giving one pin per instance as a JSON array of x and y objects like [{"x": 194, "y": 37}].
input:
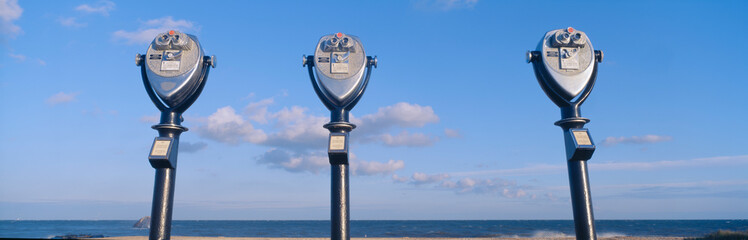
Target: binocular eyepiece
[
  {"x": 172, "y": 40},
  {"x": 339, "y": 42},
  {"x": 569, "y": 38}
]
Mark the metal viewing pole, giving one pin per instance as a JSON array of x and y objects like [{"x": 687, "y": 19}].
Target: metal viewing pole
[
  {"x": 565, "y": 65},
  {"x": 174, "y": 72},
  {"x": 343, "y": 71}
]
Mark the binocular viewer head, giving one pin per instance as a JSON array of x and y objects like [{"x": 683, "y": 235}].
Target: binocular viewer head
[
  {"x": 565, "y": 64},
  {"x": 175, "y": 67},
  {"x": 340, "y": 62}
]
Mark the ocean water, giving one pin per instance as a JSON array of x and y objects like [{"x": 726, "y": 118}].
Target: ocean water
[{"x": 426, "y": 228}]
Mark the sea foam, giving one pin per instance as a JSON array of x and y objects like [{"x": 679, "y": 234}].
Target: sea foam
[{"x": 548, "y": 234}]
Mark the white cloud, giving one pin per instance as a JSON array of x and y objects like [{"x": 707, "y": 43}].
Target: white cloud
[
  {"x": 401, "y": 114},
  {"x": 226, "y": 126},
  {"x": 610, "y": 141},
  {"x": 295, "y": 135},
  {"x": 149, "y": 29},
  {"x": 505, "y": 188},
  {"x": 452, "y": 133},
  {"x": 372, "y": 127},
  {"x": 697, "y": 184},
  {"x": 60, "y": 98},
  {"x": 419, "y": 178},
  {"x": 298, "y": 130},
  {"x": 444, "y": 5},
  {"x": 646, "y": 166},
  {"x": 616, "y": 166},
  {"x": 513, "y": 193},
  {"x": 399, "y": 179},
  {"x": 315, "y": 162},
  {"x": 102, "y": 7},
  {"x": 375, "y": 168},
  {"x": 258, "y": 111},
  {"x": 531, "y": 170},
  {"x": 18, "y": 57},
  {"x": 9, "y": 12},
  {"x": 510, "y": 189},
  {"x": 294, "y": 162},
  {"x": 22, "y": 58},
  {"x": 70, "y": 22},
  {"x": 406, "y": 139},
  {"x": 188, "y": 147},
  {"x": 676, "y": 190},
  {"x": 496, "y": 185}
]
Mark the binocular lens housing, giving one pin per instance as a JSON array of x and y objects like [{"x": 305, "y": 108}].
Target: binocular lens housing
[
  {"x": 346, "y": 42},
  {"x": 162, "y": 42},
  {"x": 174, "y": 63},
  {"x": 340, "y": 62},
  {"x": 579, "y": 39},
  {"x": 562, "y": 38},
  {"x": 566, "y": 62}
]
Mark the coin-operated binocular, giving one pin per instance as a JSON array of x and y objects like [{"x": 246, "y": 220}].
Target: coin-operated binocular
[
  {"x": 342, "y": 72},
  {"x": 174, "y": 71},
  {"x": 565, "y": 64}
]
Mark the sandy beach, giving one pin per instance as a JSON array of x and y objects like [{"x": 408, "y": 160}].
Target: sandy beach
[{"x": 249, "y": 238}]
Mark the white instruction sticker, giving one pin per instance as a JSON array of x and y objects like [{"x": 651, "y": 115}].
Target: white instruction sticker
[
  {"x": 160, "y": 148},
  {"x": 582, "y": 137},
  {"x": 569, "y": 58},
  {"x": 169, "y": 65},
  {"x": 339, "y": 67},
  {"x": 337, "y": 142}
]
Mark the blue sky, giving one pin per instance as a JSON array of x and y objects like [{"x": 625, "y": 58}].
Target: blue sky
[{"x": 453, "y": 124}]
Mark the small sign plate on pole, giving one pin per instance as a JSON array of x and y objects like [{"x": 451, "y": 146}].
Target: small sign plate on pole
[
  {"x": 161, "y": 151},
  {"x": 582, "y": 137},
  {"x": 579, "y": 145},
  {"x": 160, "y": 147},
  {"x": 337, "y": 142},
  {"x": 337, "y": 151}
]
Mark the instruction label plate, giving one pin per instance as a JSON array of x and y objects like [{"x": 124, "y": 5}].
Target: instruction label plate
[
  {"x": 569, "y": 58},
  {"x": 169, "y": 65},
  {"x": 582, "y": 137},
  {"x": 160, "y": 147},
  {"x": 337, "y": 142},
  {"x": 339, "y": 68}
]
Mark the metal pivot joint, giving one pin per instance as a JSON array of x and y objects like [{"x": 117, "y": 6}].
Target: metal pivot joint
[
  {"x": 339, "y": 71},
  {"x": 174, "y": 71},
  {"x": 565, "y": 65}
]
